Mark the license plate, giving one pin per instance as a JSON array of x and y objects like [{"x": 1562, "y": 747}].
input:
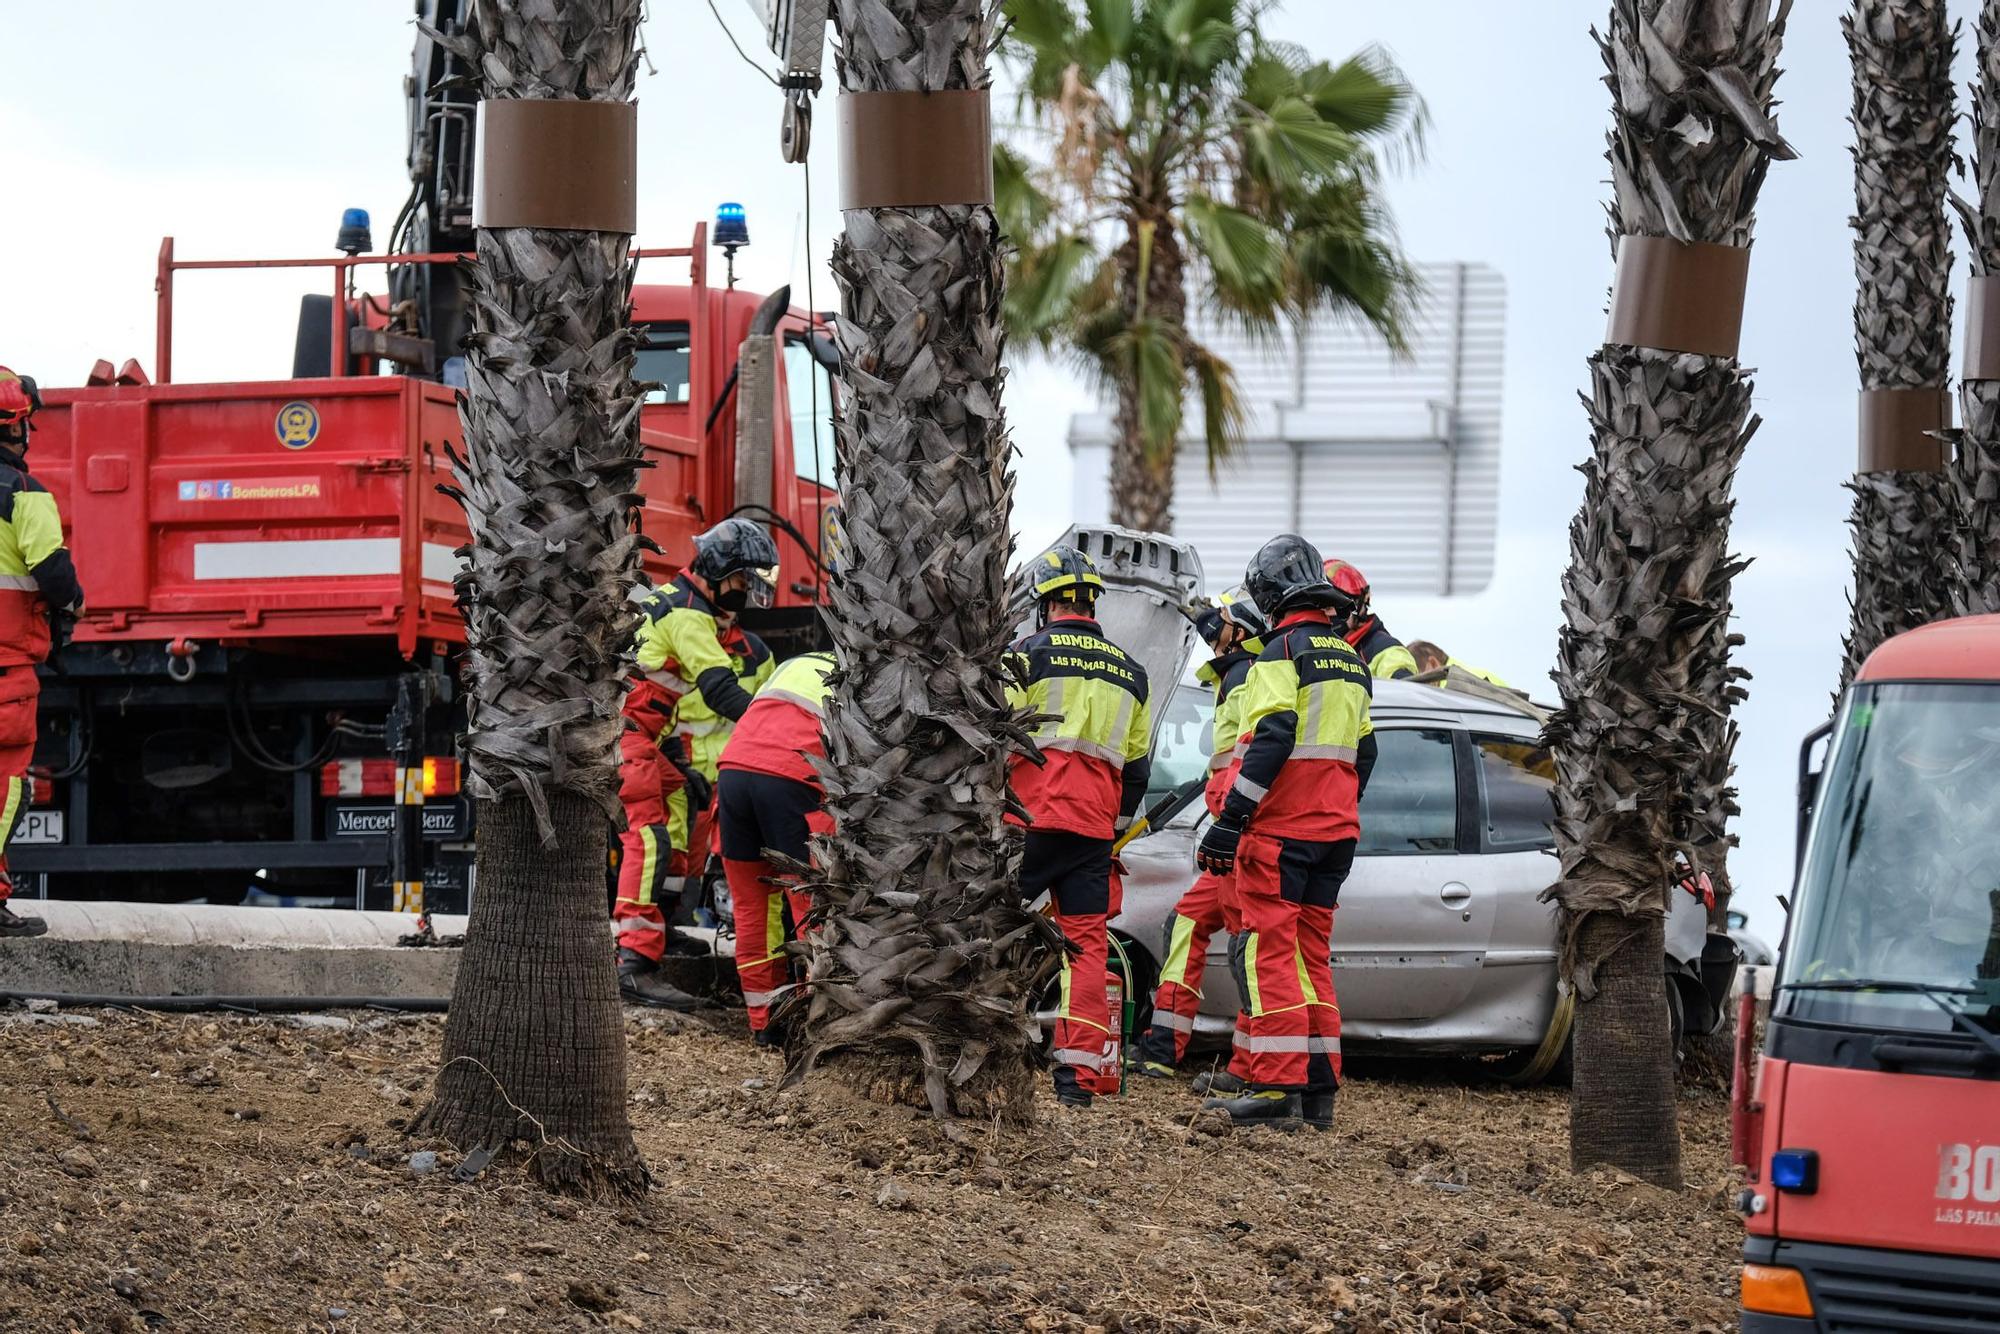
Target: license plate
[{"x": 40, "y": 827}]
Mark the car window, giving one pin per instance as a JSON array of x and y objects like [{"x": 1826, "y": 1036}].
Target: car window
[
  {"x": 1411, "y": 805},
  {"x": 1517, "y": 781},
  {"x": 1180, "y": 751}
]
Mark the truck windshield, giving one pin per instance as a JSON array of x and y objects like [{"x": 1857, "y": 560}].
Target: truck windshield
[{"x": 1902, "y": 880}]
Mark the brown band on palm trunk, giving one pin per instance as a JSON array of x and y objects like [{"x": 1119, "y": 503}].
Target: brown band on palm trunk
[
  {"x": 1678, "y": 297},
  {"x": 909, "y": 150},
  {"x": 568, "y": 165},
  {"x": 1982, "y": 328},
  {"x": 1897, "y": 430}
]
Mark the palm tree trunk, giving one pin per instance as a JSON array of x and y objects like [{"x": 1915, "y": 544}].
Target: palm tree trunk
[
  {"x": 1142, "y": 483},
  {"x": 1142, "y": 470},
  {"x": 1643, "y": 739},
  {"x": 534, "y": 1050},
  {"x": 1975, "y": 468},
  {"x": 1901, "y": 52},
  {"x": 920, "y": 974}
]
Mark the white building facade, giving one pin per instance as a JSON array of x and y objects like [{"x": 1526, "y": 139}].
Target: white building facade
[{"x": 1391, "y": 463}]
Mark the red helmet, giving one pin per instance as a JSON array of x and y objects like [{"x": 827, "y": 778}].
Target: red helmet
[
  {"x": 1350, "y": 584},
  {"x": 19, "y": 399}
]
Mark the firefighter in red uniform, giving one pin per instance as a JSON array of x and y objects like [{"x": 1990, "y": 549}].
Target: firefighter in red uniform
[
  {"x": 769, "y": 797},
  {"x": 692, "y": 663},
  {"x": 1288, "y": 830},
  {"x": 1233, "y": 630},
  {"x": 1088, "y": 783},
  {"x": 1385, "y": 654},
  {"x": 36, "y": 579}
]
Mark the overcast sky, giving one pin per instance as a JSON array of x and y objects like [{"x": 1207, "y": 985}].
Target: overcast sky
[{"x": 246, "y": 135}]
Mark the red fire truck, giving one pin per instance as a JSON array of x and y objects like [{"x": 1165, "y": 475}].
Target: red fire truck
[
  {"x": 268, "y": 564},
  {"x": 1870, "y": 1127}
]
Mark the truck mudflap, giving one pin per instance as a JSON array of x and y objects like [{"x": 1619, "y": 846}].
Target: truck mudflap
[
  {"x": 1150, "y": 582},
  {"x": 1856, "y": 1287}
]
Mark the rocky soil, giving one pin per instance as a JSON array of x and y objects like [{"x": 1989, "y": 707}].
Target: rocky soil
[{"x": 218, "y": 1173}]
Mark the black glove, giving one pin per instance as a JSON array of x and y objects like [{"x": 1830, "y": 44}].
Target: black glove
[
  {"x": 698, "y": 788},
  {"x": 1217, "y": 853}
]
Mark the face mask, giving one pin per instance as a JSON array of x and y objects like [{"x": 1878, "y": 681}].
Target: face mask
[{"x": 734, "y": 600}]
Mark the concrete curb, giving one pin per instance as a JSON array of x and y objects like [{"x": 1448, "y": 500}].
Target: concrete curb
[{"x": 142, "y": 949}]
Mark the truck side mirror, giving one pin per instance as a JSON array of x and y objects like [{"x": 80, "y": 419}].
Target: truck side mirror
[{"x": 1808, "y": 789}]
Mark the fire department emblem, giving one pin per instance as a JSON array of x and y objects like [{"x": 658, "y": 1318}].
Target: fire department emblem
[{"x": 298, "y": 425}]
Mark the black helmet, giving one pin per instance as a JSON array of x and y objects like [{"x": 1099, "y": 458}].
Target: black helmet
[
  {"x": 1063, "y": 572},
  {"x": 1287, "y": 574},
  {"x": 736, "y": 545},
  {"x": 1208, "y": 624}
]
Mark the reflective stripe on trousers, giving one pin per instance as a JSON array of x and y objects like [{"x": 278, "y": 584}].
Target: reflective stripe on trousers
[{"x": 1308, "y": 1043}]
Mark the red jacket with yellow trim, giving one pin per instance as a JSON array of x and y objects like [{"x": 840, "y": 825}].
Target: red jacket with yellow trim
[
  {"x": 36, "y": 575},
  {"x": 1311, "y": 744},
  {"x": 781, "y": 732},
  {"x": 1095, "y": 759}
]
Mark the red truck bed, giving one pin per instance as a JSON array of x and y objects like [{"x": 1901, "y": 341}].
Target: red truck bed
[
  {"x": 292, "y": 509},
  {"x": 284, "y": 510}
]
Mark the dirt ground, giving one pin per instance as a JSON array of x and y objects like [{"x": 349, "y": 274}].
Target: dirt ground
[{"x": 223, "y": 1173}]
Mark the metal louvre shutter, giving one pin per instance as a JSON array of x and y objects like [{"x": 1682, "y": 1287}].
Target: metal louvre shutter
[
  {"x": 1229, "y": 518},
  {"x": 1391, "y": 463}
]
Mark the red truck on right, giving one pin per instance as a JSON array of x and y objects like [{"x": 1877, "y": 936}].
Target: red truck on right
[{"x": 1869, "y": 1128}]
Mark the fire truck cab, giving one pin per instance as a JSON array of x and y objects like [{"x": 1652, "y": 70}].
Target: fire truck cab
[{"x": 1870, "y": 1127}]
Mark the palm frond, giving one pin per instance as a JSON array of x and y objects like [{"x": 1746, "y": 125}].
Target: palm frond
[
  {"x": 1046, "y": 286},
  {"x": 1243, "y": 256},
  {"x": 1192, "y": 118},
  {"x": 1223, "y": 417}
]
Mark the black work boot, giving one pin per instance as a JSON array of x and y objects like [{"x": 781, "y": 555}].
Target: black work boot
[
  {"x": 1260, "y": 1107},
  {"x": 1318, "y": 1106},
  {"x": 1216, "y": 1084},
  {"x": 12, "y": 925},
  {"x": 1154, "y": 1058},
  {"x": 1069, "y": 1092},
  {"x": 640, "y": 981}
]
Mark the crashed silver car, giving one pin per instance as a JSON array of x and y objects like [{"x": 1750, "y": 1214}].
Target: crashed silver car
[{"x": 1441, "y": 943}]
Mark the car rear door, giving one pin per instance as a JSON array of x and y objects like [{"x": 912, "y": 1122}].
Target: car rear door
[{"x": 1417, "y": 912}]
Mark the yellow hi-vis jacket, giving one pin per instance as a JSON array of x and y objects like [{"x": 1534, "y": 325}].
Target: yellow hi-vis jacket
[
  {"x": 1095, "y": 750},
  {"x": 1311, "y": 741},
  {"x": 1383, "y": 652},
  {"x": 36, "y": 575},
  {"x": 711, "y": 673}
]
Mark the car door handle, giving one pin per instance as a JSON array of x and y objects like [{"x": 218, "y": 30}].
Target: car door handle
[{"x": 1455, "y": 895}]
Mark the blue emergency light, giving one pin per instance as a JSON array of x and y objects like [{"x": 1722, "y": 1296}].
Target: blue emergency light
[
  {"x": 732, "y": 226},
  {"x": 1795, "y": 1171},
  {"x": 354, "y": 237}
]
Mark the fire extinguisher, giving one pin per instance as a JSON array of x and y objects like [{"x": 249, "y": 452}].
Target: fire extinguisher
[{"x": 1118, "y": 995}]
